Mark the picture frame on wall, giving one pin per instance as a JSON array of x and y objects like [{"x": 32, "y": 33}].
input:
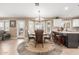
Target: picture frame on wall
[{"x": 12, "y": 23}]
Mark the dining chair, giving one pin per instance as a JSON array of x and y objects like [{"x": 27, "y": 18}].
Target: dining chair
[
  {"x": 31, "y": 36},
  {"x": 39, "y": 37},
  {"x": 47, "y": 37}
]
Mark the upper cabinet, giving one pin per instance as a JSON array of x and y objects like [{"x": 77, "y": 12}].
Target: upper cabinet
[{"x": 75, "y": 23}]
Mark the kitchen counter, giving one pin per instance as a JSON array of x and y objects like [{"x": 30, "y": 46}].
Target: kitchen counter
[
  {"x": 71, "y": 38},
  {"x": 72, "y": 32}
]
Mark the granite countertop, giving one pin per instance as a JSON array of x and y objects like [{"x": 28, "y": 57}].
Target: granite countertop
[{"x": 73, "y": 32}]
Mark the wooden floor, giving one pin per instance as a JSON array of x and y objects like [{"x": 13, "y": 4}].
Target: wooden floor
[{"x": 9, "y": 47}]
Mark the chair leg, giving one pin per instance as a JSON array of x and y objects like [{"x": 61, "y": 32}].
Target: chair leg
[
  {"x": 42, "y": 45},
  {"x": 44, "y": 40},
  {"x": 28, "y": 40},
  {"x": 35, "y": 45}
]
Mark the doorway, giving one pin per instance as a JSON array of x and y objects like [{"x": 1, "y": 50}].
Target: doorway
[{"x": 20, "y": 28}]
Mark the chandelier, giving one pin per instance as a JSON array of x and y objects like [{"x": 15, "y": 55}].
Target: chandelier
[
  {"x": 39, "y": 18},
  {"x": 37, "y": 5}
]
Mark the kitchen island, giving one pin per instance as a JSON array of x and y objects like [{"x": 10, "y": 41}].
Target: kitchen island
[{"x": 71, "y": 38}]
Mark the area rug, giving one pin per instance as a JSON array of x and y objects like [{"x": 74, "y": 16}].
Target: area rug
[{"x": 29, "y": 49}]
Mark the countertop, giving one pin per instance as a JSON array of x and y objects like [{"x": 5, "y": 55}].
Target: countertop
[{"x": 73, "y": 32}]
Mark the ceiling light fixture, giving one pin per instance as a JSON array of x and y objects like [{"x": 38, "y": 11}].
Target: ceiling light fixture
[
  {"x": 37, "y": 4},
  {"x": 40, "y": 26}
]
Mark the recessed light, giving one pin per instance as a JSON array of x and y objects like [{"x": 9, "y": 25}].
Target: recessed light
[{"x": 66, "y": 8}]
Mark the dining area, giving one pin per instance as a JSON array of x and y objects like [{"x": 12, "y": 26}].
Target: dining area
[
  {"x": 39, "y": 37},
  {"x": 39, "y": 43}
]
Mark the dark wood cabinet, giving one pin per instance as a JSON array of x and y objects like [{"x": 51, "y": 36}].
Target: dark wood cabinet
[{"x": 73, "y": 40}]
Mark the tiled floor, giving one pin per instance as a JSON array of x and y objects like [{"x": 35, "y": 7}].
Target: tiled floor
[{"x": 9, "y": 47}]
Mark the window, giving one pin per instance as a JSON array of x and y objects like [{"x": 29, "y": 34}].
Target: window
[
  {"x": 31, "y": 27},
  {"x": 48, "y": 26},
  {"x": 37, "y": 25},
  {"x": 4, "y": 25},
  {"x": 34, "y": 25},
  {"x": 43, "y": 25},
  {"x": 75, "y": 23},
  {"x": 7, "y": 25},
  {"x": 58, "y": 23}
]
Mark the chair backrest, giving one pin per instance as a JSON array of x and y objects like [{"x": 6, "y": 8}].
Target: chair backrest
[
  {"x": 54, "y": 35},
  {"x": 39, "y": 36}
]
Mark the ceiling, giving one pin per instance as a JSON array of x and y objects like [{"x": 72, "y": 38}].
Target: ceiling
[{"x": 46, "y": 9}]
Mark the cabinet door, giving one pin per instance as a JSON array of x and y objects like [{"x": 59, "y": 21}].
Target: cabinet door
[{"x": 73, "y": 40}]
